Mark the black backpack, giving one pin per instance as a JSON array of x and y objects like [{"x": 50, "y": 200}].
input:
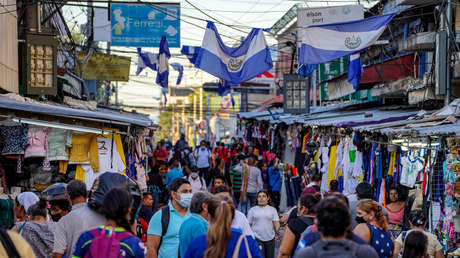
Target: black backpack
[{"x": 335, "y": 249}]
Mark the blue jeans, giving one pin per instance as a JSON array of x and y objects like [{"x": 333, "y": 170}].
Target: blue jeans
[
  {"x": 248, "y": 203},
  {"x": 243, "y": 206},
  {"x": 252, "y": 198}
]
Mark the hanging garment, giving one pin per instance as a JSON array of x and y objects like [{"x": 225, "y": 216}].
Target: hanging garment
[
  {"x": 332, "y": 162},
  {"x": 411, "y": 167},
  {"x": 391, "y": 166},
  {"x": 283, "y": 198},
  {"x": 339, "y": 159},
  {"x": 110, "y": 153},
  {"x": 14, "y": 139},
  {"x": 38, "y": 142},
  {"x": 84, "y": 150},
  {"x": 140, "y": 177},
  {"x": 58, "y": 141}
]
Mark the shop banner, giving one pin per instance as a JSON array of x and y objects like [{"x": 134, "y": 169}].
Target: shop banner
[
  {"x": 326, "y": 15},
  {"x": 143, "y": 25},
  {"x": 103, "y": 67}
]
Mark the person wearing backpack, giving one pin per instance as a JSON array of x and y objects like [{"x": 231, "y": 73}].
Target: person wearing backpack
[
  {"x": 333, "y": 222},
  {"x": 163, "y": 230},
  {"x": 114, "y": 239}
]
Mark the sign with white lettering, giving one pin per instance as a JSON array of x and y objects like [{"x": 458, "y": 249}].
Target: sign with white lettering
[
  {"x": 325, "y": 15},
  {"x": 142, "y": 25}
]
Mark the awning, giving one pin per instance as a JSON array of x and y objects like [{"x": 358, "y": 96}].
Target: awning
[{"x": 27, "y": 105}]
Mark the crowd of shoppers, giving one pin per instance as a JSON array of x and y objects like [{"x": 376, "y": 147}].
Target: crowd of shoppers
[{"x": 215, "y": 202}]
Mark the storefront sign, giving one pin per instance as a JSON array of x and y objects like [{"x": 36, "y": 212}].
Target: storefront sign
[
  {"x": 103, "y": 67},
  {"x": 142, "y": 25},
  {"x": 324, "y": 15},
  {"x": 296, "y": 94}
]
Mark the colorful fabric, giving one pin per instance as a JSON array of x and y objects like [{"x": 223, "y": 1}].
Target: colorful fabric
[{"x": 84, "y": 150}]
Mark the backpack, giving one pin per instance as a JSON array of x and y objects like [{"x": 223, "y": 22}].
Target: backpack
[
  {"x": 346, "y": 249},
  {"x": 106, "y": 246},
  {"x": 8, "y": 244},
  {"x": 165, "y": 214}
]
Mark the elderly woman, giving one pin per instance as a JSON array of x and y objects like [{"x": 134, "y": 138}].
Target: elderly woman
[{"x": 197, "y": 223}]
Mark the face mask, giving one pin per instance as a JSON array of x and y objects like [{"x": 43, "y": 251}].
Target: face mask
[
  {"x": 185, "y": 200},
  {"x": 360, "y": 220},
  {"x": 56, "y": 217},
  {"x": 263, "y": 203},
  {"x": 194, "y": 175}
]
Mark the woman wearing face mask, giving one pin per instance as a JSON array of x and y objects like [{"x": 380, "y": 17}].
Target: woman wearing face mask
[
  {"x": 37, "y": 231},
  {"x": 222, "y": 240},
  {"x": 196, "y": 181},
  {"x": 373, "y": 227},
  {"x": 265, "y": 223},
  {"x": 116, "y": 207},
  {"x": 305, "y": 218}
]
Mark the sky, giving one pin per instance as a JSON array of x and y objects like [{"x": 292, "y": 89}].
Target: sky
[{"x": 239, "y": 16}]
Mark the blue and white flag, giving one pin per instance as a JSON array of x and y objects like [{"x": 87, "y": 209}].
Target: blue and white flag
[
  {"x": 163, "y": 66},
  {"x": 355, "y": 69},
  {"x": 178, "y": 67},
  {"x": 324, "y": 43},
  {"x": 234, "y": 65},
  {"x": 191, "y": 52},
  {"x": 146, "y": 60}
]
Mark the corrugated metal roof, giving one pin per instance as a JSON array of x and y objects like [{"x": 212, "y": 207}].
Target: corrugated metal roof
[{"x": 57, "y": 110}]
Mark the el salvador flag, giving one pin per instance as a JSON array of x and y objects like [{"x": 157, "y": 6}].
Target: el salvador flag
[
  {"x": 191, "y": 52},
  {"x": 234, "y": 65},
  {"x": 146, "y": 60},
  {"x": 163, "y": 69},
  {"x": 324, "y": 43}
]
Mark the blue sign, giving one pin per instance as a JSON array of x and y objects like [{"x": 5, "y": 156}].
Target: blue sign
[{"x": 141, "y": 25}]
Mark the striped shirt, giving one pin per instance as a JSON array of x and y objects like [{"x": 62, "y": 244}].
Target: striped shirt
[{"x": 235, "y": 175}]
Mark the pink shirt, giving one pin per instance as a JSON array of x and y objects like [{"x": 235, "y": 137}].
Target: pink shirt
[{"x": 395, "y": 218}]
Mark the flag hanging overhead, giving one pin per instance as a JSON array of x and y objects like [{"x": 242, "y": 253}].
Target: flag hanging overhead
[
  {"x": 191, "y": 52},
  {"x": 355, "y": 69},
  {"x": 324, "y": 43},
  {"x": 146, "y": 60},
  {"x": 234, "y": 65},
  {"x": 178, "y": 67},
  {"x": 163, "y": 69}
]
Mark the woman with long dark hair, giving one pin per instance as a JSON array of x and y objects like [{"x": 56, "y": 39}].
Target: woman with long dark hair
[
  {"x": 221, "y": 240},
  {"x": 415, "y": 245},
  {"x": 116, "y": 208}
]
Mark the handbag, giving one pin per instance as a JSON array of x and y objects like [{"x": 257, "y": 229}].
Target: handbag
[{"x": 236, "y": 252}]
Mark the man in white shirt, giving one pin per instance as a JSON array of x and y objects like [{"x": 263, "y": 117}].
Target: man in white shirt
[{"x": 203, "y": 159}]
